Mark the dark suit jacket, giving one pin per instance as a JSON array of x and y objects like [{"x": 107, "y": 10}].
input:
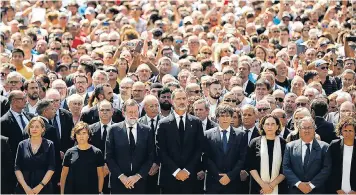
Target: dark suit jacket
[
  {"x": 336, "y": 150},
  {"x": 96, "y": 139},
  {"x": 325, "y": 130},
  {"x": 91, "y": 116},
  {"x": 143, "y": 120},
  {"x": 66, "y": 129},
  {"x": 11, "y": 129},
  {"x": 318, "y": 169},
  {"x": 5, "y": 106},
  {"x": 286, "y": 133},
  {"x": 216, "y": 161},
  {"x": 8, "y": 180},
  {"x": 118, "y": 155},
  {"x": 210, "y": 124},
  {"x": 176, "y": 155},
  {"x": 250, "y": 88},
  {"x": 65, "y": 105}
]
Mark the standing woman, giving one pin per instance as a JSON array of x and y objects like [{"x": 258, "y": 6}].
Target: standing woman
[
  {"x": 82, "y": 171},
  {"x": 343, "y": 172},
  {"x": 264, "y": 157},
  {"x": 35, "y": 161}
]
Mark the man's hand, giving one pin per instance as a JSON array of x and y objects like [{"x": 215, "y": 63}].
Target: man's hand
[
  {"x": 340, "y": 192},
  {"x": 62, "y": 155},
  {"x": 352, "y": 192},
  {"x": 154, "y": 169},
  {"x": 200, "y": 175},
  {"x": 304, "y": 187},
  {"x": 37, "y": 189},
  {"x": 243, "y": 175},
  {"x": 123, "y": 180},
  {"x": 132, "y": 180},
  {"x": 106, "y": 170},
  {"x": 224, "y": 180},
  {"x": 182, "y": 175}
]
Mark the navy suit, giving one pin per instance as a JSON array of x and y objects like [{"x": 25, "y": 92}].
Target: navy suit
[
  {"x": 325, "y": 130},
  {"x": 119, "y": 160},
  {"x": 317, "y": 172},
  {"x": 216, "y": 161}
]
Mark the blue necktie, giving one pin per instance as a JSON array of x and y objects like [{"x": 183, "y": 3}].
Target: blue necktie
[
  {"x": 23, "y": 124},
  {"x": 224, "y": 139},
  {"x": 306, "y": 157}
]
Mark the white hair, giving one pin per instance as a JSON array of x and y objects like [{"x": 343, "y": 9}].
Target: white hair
[
  {"x": 75, "y": 97},
  {"x": 96, "y": 73},
  {"x": 344, "y": 95}
]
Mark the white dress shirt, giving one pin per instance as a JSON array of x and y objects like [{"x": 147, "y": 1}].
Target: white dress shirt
[
  {"x": 140, "y": 106},
  {"x": 304, "y": 149},
  {"x": 346, "y": 168},
  {"x": 134, "y": 131},
  {"x": 18, "y": 120},
  {"x": 32, "y": 109},
  {"x": 204, "y": 123},
  {"x": 154, "y": 121},
  {"x": 178, "y": 118},
  {"x": 249, "y": 132},
  {"x": 59, "y": 123},
  {"x": 227, "y": 133}
]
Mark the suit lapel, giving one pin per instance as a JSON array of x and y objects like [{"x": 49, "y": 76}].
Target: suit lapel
[
  {"x": 298, "y": 152},
  {"x": 188, "y": 128},
  {"x": 217, "y": 137},
  {"x": 139, "y": 138},
  {"x": 173, "y": 124},
  {"x": 17, "y": 124},
  {"x": 315, "y": 149},
  {"x": 231, "y": 139}
]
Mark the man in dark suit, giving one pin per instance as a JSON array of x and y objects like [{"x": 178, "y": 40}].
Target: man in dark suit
[
  {"x": 5, "y": 106},
  {"x": 282, "y": 116},
  {"x": 201, "y": 110},
  {"x": 179, "y": 142},
  {"x": 129, "y": 152},
  {"x": 101, "y": 92},
  {"x": 151, "y": 119},
  {"x": 243, "y": 71},
  {"x": 224, "y": 154},
  {"x": 62, "y": 121},
  {"x": 249, "y": 117},
  {"x": 99, "y": 133},
  {"x": 7, "y": 167},
  {"x": 306, "y": 161},
  {"x": 138, "y": 94},
  {"x": 324, "y": 129}
]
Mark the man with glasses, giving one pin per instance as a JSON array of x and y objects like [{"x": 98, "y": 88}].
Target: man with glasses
[
  {"x": 279, "y": 96},
  {"x": 328, "y": 82},
  {"x": 143, "y": 72},
  {"x": 193, "y": 89},
  {"x": 125, "y": 91},
  {"x": 230, "y": 99},
  {"x": 14, "y": 81},
  {"x": 302, "y": 101},
  {"x": 196, "y": 69},
  {"x": 263, "y": 107},
  {"x": 193, "y": 45},
  {"x": 81, "y": 85},
  {"x": 138, "y": 94},
  {"x": 61, "y": 87},
  {"x": 281, "y": 115},
  {"x": 113, "y": 74}
]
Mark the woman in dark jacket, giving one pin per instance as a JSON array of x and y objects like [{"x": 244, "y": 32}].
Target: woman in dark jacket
[{"x": 342, "y": 179}]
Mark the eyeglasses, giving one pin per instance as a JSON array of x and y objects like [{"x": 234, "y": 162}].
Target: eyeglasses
[
  {"x": 211, "y": 38},
  {"x": 195, "y": 91},
  {"x": 301, "y": 104},
  {"x": 3, "y": 74},
  {"x": 56, "y": 48},
  {"x": 113, "y": 40},
  {"x": 56, "y": 100},
  {"x": 262, "y": 109},
  {"x": 206, "y": 53},
  {"x": 270, "y": 57},
  {"x": 13, "y": 82},
  {"x": 111, "y": 70},
  {"x": 279, "y": 99},
  {"x": 228, "y": 100},
  {"x": 69, "y": 39}
]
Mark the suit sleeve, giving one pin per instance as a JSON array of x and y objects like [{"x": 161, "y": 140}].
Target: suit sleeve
[
  {"x": 324, "y": 173},
  {"x": 162, "y": 149},
  {"x": 110, "y": 154},
  {"x": 240, "y": 163},
  {"x": 292, "y": 179},
  {"x": 207, "y": 162},
  {"x": 150, "y": 155},
  {"x": 196, "y": 157}
]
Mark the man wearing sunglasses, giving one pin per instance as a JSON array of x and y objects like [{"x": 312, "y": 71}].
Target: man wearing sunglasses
[
  {"x": 328, "y": 82},
  {"x": 113, "y": 74}
]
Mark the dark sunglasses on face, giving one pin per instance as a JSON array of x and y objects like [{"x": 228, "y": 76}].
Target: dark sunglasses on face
[
  {"x": 262, "y": 109},
  {"x": 179, "y": 41},
  {"x": 228, "y": 100},
  {"x": 113, "y": 40},
  {"x": 324, "y": 67},
  {"x": 3, "y": 74},
  {"x": 301, "y": 104},
  {"x": 279, "y": 99},
  {"x": 111, "y": 70}
]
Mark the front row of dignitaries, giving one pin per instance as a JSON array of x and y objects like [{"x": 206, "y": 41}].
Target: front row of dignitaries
[{"x": 306, "y": 165}]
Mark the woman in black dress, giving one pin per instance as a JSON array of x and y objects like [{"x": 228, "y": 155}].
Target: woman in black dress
[
  {"x": 342, "y": 179},
  {"x": 35, "y": 161},
  {"x": 264, "y": 157},
  {"x": 82, "y": 171}
]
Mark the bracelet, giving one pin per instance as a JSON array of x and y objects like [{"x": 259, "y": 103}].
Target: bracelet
[{"x": 42, "y": 184}]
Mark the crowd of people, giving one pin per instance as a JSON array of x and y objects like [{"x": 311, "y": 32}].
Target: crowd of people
[{"x": 175, "y": 96}]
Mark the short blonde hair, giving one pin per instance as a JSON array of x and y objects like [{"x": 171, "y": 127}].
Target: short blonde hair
[{"x": 34, "y": 119}]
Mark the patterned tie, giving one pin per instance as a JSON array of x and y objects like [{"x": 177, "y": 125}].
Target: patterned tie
[
  {"x": 23, "y": 124},
  {"x": 224, "y": 139},
  {"x": 181, "y": 130},
  {"x": 306, "y": 157}
]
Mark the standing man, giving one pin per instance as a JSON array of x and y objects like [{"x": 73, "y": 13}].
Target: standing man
[
  {"x": 224, "y": 154},
  {"x": 306, "y": 162},
  {"x": 61, "y": 87},
  {"x": 215, "y": 92},
  {"x": 100, "y": 131},
  {"x": 165, "y": 101},
  {"x": 282, "y": 116},
  {"x": 179, "y": 142},
  {"x": 201, "y": 110},
  {"x": 32, "y": 90},
  {"x": 129, "y": 152},
  {"x": 151, "y": 119},
  {"x": 138, "y": 93}
]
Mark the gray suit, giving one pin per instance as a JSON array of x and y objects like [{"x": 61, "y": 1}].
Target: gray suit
[{"x": 318, "y": 169}]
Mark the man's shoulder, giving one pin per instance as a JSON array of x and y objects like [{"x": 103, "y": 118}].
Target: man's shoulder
[{"x": 94, "y": 125}]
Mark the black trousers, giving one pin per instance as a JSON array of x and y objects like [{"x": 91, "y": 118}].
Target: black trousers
[{"x": 152, "y": 187}]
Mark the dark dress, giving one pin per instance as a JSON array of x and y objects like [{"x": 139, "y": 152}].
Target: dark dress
[
  {"x": 254, "y": 162},
  {"x": 35, "y": 166},
  {"x": 82, "y": 177}
]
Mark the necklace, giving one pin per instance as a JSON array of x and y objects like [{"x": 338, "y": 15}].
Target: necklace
[{"x": 35, "y": 148}]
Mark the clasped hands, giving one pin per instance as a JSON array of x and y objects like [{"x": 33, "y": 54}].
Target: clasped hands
[
  {"x": 182, "y": 175},
  {"x": 35, "y": 190},
  {"x": 129, "y": 182},
  {"x": 267, "y": 188},
  {"x": 305, "y": 187},
  {"x": 224, "y": 180}
]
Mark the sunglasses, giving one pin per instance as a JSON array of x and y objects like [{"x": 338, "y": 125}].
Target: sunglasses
[
  {"x": 206, "y": 53},
  {"x": 179, "y": 41},
  {"x": 195, "y": 91},
  {"x": 113, "y": 40},
  {"x": 324, "y": 68},
  {"x": 111, "y": 70},
  {"x": 56, "y": 48},
  {"x": 301, "y": 104},
  {"x": 262, "y": 109},
  {"x": 228, "y": 100},
  {"x": 279, "y": 99},
  {"x": 3, "y": 74}
]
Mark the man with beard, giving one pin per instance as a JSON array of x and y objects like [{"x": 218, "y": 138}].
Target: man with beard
[
  {"x": 32, "y": 90},
  {"x": 165, "y": 101},
  {"x": 179, "y": 142},
  {"x": 129, "y": 152},
  {"x": 100, "y": 93},
  {"x": 243, "y": 72},
  {"x": 241, "y": 98},
  {"x": 215, "y": 89},
  {"x": 81, "y": 85},
  {"x": 208, "y": 67}
]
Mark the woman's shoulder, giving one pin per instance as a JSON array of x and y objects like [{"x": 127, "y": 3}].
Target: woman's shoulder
[
  {"x": 47, "y": 141},
  {"x": 255, "y": 141},
  {"x": 95, "y": 149}
]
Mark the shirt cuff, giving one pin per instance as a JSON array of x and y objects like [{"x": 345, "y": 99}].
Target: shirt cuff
[
  {"x": 297, "y": 184},
  {"x": 176, "y": 172},
  {"x": 311, "y": 185},
  {"x": 139, "y": 175},
  {"x": 120, "y": 175},
  {"x": 187, "y": 171}
]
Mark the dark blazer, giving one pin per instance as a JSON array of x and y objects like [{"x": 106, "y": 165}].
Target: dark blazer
[
  {"x": 250, "y": 88},
  {"x": 255, "y": 133},
  {"x": 325, "y": 130},
  {"x": 210, "y": 124},
  {"x": 317, "y": 172},
  {"x": 91, "y": 116},
  {"x": 67, "y": 125},
  {"x": 286, "y": 133},
  {"x": 336, "y": 150},
  {"x": 11, "y": 129},
  {"x": 8, "y": 179},
  {"x": 144, "y": 121},
  {"x": 217, "y": 161},
  {"x": 96, "y": 139},
  {"x": 118, "y": 156},
  {"x": 176, "y": 155},
  {"x": 65, "y": 105},
  {"x": 5, "y": 106}
]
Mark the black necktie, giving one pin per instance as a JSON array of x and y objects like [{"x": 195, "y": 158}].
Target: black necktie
[
  {"x": 104, "y": 133},
  {"x": 132, "y": 141},
  {"x": 224, "y": 139},
  {"x": 181, "y": 130},
  {"x": 152, "y": 124},
  {"x": 23, "y": 124},
  {"x": 246, "y": 132},
  {"x": 306, "y": 157}
]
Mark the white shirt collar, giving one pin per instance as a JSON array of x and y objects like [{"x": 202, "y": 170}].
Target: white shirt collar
[
  {"x": 250, "y": 130},
  {"x": 44, "y": 118},
  {"x": 15, "y": 113},
  {"x": 108, "y": 125},
  {"x": 304, "y": 143},
  {"x": 128, "y": 126},
  {"x": 154, "y": 118},
  {"x": 178, "y": 117},
  {"x": 228, "y": 129},
  {"x": 205, "y": 121}
]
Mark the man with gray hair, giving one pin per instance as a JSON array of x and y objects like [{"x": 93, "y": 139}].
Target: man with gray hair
[
  {"x": 14, "y": 81},
  {"x": 164, "y": 67},
  {"x": 39, "y": 68}
]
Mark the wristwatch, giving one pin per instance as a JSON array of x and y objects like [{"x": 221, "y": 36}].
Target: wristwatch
[{"x": 42, "y": 184}]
